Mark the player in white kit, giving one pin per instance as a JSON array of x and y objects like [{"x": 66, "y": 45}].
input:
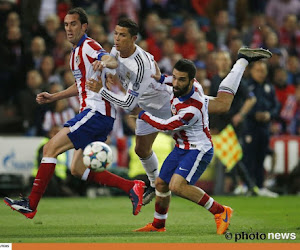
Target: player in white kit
[
  {"x": 93, "y": 123},
  {"x": 134, "y": 72}
]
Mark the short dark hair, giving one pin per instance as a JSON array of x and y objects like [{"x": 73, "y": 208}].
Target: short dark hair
[
  {"x": 185, "y": 65},
  {"x": 83, "y": 18},
  {"x": 132, "y": 26}
]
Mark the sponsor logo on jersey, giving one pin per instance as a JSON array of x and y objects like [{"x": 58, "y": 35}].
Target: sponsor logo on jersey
[
  {"x": 77, "y": 74},
  {"x": 77, "y": 60},
  {"x": 130, "y": 91}
]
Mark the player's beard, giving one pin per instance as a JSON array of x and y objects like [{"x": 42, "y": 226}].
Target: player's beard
[{"x": 181, "y": 91}]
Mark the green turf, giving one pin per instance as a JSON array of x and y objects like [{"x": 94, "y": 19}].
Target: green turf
[{"x": 110, "y": 220}]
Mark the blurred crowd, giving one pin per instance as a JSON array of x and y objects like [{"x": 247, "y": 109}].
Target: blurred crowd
[
  {"x": 35, "y": 52},
  {"x": 35, "y": 57}
]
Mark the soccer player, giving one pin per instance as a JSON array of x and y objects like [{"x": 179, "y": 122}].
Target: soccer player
[
  {"x": 193, "y": 146},
  {"x": 134, "y": 72},
  {"x": 93, "y": 123}
]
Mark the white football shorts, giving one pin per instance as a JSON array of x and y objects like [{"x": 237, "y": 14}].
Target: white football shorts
[{"x": 144, "y": 128}]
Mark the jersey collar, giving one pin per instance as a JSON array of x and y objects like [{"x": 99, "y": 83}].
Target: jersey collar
[
  {"x": 187, "y": 96},
  {"x": 81, "y": 41}
]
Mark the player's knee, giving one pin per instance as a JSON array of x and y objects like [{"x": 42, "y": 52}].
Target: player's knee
[
  {"x": 48, "y": 150},
  {"x": 75, "y": 171},
  {"x": 161, "y": 186},
  {"x": 176, "y": 188},
  {"x": 142, "y": 152}
]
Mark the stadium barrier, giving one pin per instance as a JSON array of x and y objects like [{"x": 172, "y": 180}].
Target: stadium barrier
[
  {"x": 17, "y": 154},
  {"x": 287, "y": 151}
]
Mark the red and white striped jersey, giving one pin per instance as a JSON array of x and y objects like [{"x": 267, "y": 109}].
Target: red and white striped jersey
[
  {"x": 81, "y": 59},
  {"x": 189, "y": 122}
]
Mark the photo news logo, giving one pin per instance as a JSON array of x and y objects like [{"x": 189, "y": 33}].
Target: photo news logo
[
  {"x": 6, "y": 246},
  {"x": 259, "y": 236}
]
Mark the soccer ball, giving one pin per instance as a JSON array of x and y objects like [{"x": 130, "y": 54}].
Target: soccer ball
[{"x": 97, "y": 156}]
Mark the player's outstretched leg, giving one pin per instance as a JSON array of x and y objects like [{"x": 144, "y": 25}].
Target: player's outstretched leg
[
  {"x": 252, "y": 55},
  {"x": 22, "y": 206},
  {"x": 223, "y": 219},
  {"x": 136, "y": 196}
]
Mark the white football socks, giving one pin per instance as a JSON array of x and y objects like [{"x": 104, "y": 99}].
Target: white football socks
[
  {"x": 232, "y": 81},
  {"x": 150, "y": 165}
]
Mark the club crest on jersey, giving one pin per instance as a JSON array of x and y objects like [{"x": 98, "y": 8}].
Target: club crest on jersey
[
  {"x": 173, "y": 109},
  {"x": 136, "y": 86},
  {"x": 77, "y": 60}
]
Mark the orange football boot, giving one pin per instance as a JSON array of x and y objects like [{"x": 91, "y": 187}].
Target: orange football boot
[{"x": 223, "y": 219}]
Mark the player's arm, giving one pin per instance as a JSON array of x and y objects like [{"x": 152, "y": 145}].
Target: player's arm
[
  {"x": 133, "y": 93},
  {"x": 127, "y": 101},
  {"x": 46, "y": 97},
  {"x": 109, "y": 62},
  {"x": 162, "y": 78},
  {"x": 180, "y": 121},
  {"x": 99, "y": 57}
]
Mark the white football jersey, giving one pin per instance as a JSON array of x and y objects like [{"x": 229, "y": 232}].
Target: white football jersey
[
  {"x": 189, "y": 123},
  {"x": 81, "y": 59},
  {"x": 135, "y": 73}
]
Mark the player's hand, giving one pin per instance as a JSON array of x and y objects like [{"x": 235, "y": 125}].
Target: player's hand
[
  {"x": 94, "y": 85},
  {"x": 98, "y": 65},
  {"x": 157, "y": 73},
  {"x": 44, "y": 97},
  {"x": 135, "y": 113}
]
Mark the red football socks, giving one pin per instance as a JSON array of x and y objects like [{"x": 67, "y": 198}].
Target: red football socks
[
  {"x": 111, "y": 180},
  {"x": 160, "y": 216},
  {"x": 44, "y": 175},
  {"x": 210, "y": 204}
]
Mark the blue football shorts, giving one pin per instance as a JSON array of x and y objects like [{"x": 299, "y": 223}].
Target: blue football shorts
[
  {"x": 89, "y": 126},
  {"x": 190, "y": 164}
]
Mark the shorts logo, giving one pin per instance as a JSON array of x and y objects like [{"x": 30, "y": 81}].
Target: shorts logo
[{"x": 183, "y": 169}]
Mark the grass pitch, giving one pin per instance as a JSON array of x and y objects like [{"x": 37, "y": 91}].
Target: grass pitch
[{"x": 110, "y": 219}]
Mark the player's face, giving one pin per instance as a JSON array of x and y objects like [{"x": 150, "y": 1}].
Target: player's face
[
  {"x": 124, "y": 42},
  {"x": 181, "y": 83},
  {"x": 74, "y": 29}
]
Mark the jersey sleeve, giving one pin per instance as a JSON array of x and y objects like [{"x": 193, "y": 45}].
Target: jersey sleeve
[
  {"x": 113, "y": 52},
  {"x": 94, "y": 51},
  {"x": 135, "y": 90},
  {"x": 166, "y": 79},
  {"x": 183, "y": 120}
]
